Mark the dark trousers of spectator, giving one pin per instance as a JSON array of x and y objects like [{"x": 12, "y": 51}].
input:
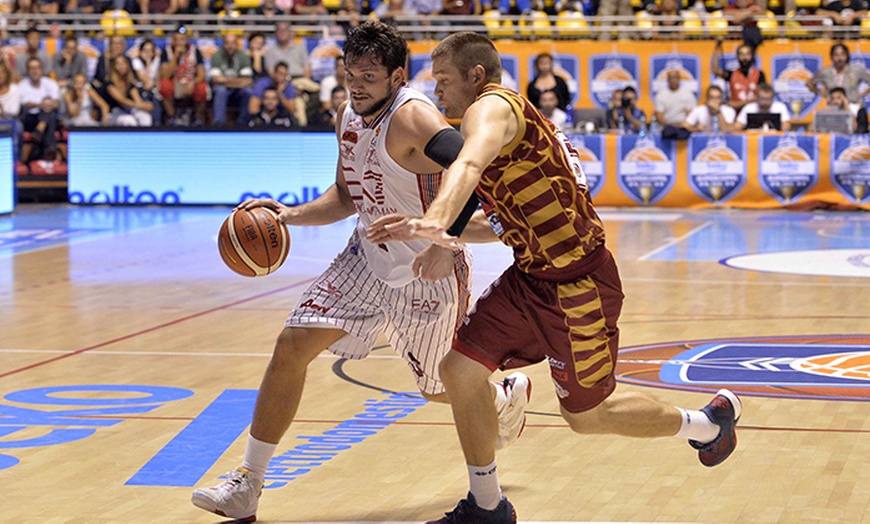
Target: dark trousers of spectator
[
  {"x": 223, "y": 96},
  {"x": 44, "y": 141}
]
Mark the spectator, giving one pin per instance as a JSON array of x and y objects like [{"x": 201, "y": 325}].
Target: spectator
[
  {"x": 841, "y": 73},
  {"x": 624, "y": 116},
  {"x": 10, "y": 99},
  {"x": 328, "y": 84},
  {"x": 34, "y": 44},
  {"x": 257, "y": 52},
  {"x": 837, "y": 100},
  {"x": 766, "y": 103},
  {"x": 40, "y": 99},
  {"x": 743, "y": 81},
  {"x": 117, "y": 47},
  {"x": 667, "y": 14},
  {"x": 508, "y": 7},
  {"x": 146, "y": 67},
  {"x": 279, "y": 82},
  {"x": 160, "y": 7},
  {"x": 309, "y": 7},
  {"x": 81, "y": 101},
  {"x": 613, "y": 8},
  {"x": 743, "y": 12},
  {"x": 672, "y": 105},
  {"x": 464, "y": 8},
  {"x": 549, "y": 108},
  {"x": 231, "y": 78},
  {"x": 713, "y": 116},
  {"x": 325, "y": 121},
  {"x": 68, "y": 62},
  {"x": 269, "y": 9},
  {"x": 182, "y": 77},
  {"x": 287, "y": 51},
  {"x": 844, "y": 12},
  {"x": 128, "y": 108},
  {"x": 546, "y": 80},
  {"x": 272, "y": 113}
]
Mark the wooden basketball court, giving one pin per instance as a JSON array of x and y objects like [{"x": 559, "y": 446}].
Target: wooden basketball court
[{"x": 130, "y": 359}]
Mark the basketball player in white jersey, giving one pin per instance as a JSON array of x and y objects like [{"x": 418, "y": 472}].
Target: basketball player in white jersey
[{"x": 393, "y": 145}]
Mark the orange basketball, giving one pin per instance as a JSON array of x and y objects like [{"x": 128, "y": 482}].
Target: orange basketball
[{"x": 252, "y": 242}]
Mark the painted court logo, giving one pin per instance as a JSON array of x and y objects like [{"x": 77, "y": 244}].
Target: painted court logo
[{"x": 823, "y": 367}]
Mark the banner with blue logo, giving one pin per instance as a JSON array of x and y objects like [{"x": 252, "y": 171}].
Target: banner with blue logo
[
  {"x": 610, "y": 72},
  {"x": 689, "y": 67},
  {"x": 717, "y": 166},
  {"x": 646, "y": 167},
  {"x": 850, "y": 167},
  {"x": 322, "y": 53},
  {"x": 788, "y": 166},
  {"x": 592, "y": 154},
  {"x": 565, "y": 66},
  {"x": 790, "y": 75}
]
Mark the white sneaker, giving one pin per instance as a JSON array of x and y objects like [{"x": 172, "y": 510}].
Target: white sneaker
[
  {"x": 237, "y": 497},
  {"x": 512, "y": 416}
]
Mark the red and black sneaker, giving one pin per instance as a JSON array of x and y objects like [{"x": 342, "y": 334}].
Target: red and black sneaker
[
  {"x": 468, "y": 512},
  {"x": 724, "y": 411}
]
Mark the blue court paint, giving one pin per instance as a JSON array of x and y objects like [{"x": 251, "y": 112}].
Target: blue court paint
[
  {"x": 53, "y": 395},
  {"x": 318, "y": 449},
  {"x": 192, "y": 452},
  {"x": 7, "y": 461},
  {"x": 758, "y": 364}
]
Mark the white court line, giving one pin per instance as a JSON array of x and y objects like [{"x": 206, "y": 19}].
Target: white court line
[
  {"x": 676, "y": 240},
  {"x": 173, "y": 353},
  {"x": 744, "y": 282}
]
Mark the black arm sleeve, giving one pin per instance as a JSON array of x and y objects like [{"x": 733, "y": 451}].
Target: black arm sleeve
[{"x": 443, "y": 148}]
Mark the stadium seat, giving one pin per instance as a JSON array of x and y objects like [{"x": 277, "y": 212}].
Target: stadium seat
[
  {"x": 865, "y": 26},
  {"x": 717, "y": 25},
  {"x": 48, "y": 167},
  {"x": 496, "y": 27},
  {"x": 118, "y": 22},
  {"x": 793, "y": 26},
  {"x": 643, "y": 20},
  {"x": 536, "y": 24},
  {"x": 253, "y": 4},
  {"x": 692, "y": 23},
  {"x": 768, "y": 24},
  {"x": 224, "y": 17},
  {"x": 572, "y": 23}
]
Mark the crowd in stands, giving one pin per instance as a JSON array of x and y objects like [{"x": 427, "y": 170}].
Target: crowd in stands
[{"x": 259, "y": 86}]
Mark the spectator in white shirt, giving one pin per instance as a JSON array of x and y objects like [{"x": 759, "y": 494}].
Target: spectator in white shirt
[
  {"x": 10, "y": 101},
  {"x": 40, "y": 99},
  {"x": 672, "y": 105},
  {"x": 712, "y": 116},
  {"x": 766, "y": 103},
  {"x": 331, "y": 82}
]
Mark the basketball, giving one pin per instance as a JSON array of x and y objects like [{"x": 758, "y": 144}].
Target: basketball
[{"x": 252, "y": 242}]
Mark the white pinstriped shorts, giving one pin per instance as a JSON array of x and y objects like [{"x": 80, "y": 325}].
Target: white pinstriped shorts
[{"x": 419, "y": 320}]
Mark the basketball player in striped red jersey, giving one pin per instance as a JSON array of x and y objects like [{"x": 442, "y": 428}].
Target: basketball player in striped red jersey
[
  {"x": 561, "y": 298},
  {"x": 414, "y": 292}
]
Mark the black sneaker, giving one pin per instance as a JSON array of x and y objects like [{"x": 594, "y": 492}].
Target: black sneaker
[
  {"x": 468, "y": 512},
  {"x": 724, "y": 411}
]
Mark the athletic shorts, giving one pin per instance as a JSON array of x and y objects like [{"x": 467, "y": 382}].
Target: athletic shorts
[
  {"x": 522, "y": 320},
  {"x": 419, "y": 319}
]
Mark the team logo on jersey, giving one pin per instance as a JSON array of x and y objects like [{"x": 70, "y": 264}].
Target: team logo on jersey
[
  {"x": 717, "y": 170},
  {"x": 790, "y": 75},
  {"x": 850, "y": 167},
  {"x": 350, "y": 136},
  {"x": 646, "y": 169},
  {"x": 788, "y": 166},
  {"x": 819, "y": 367}
]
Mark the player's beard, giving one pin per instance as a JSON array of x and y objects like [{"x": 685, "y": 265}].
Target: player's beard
[{"x": 376, "y": 106}]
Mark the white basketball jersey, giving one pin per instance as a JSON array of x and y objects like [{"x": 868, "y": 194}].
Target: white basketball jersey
[{"x": 380, "y": 186}]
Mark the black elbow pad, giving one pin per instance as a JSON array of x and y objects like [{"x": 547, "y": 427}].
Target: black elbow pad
[{"x": 444, "y": 147}]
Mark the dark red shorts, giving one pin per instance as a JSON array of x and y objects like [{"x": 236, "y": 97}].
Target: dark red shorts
[{"x": 521, "y": 320}]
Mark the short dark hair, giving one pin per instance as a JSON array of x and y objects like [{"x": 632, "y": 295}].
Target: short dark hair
[
  {"x": 281, "y": 64},
  {"x": 255, "y": 34},
  {"x": 767, "y": 88},
  {"x": 467, "y": 50},
  {"x": 32, "y": 29},
  {"x": 378, "y": 41},
  {"x": 837, "y": 90},
  {"x": 628, "y": 89},
  {"x": 714, "y": 88},
  {"x": 336, "y": 89},
  {"x": 840, "y": 45}
]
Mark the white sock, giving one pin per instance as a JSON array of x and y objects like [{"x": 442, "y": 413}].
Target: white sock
[
  {"x": 501, "y": 397},
  {"x": 484, "y": 485},
  {"x": 696, "y": 426},
  {"x": 257, "y": 456}
]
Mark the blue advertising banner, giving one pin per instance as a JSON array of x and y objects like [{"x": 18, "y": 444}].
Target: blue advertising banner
[
  {"x": 850, "y": 167},
  {"x": 790, "y": 75},
  {"x": 611, "y": 72},
  {"x": 788, "y": 166},
  {"x": 646, "y": 167},
  {"x": 717, "y": 166}
]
